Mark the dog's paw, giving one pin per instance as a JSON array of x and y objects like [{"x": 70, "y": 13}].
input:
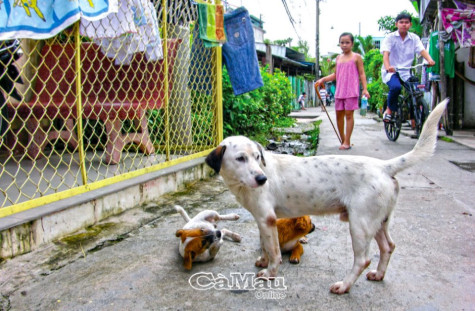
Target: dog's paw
[
  {"x": 266, "y": 274},
  {"x": 340, "y": 288},
  {"x": 375, "y": 275},
  {"x": 262, "y": 262},
  {"x": 235, "y": 216},
  {"x": 303, "y": 240},
  {"x": 236, "y": 237},
  {"x": 294, "y": 260}
]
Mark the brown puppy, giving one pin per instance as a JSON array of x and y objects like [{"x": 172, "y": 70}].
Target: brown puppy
[
  {"x": 202, "y": 241},
  {"x": 291, "y": 231}
]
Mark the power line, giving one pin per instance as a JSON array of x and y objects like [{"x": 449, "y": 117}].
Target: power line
[{"x": 291, "y": 19}]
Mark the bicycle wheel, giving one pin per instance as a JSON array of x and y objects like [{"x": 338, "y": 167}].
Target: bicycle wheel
[
  {"x": 393, "y": 127},
  {"x": 421, "y": 114}
]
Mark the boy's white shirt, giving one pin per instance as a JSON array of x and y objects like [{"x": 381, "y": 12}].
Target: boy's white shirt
[{"x": 401, "y": 53}]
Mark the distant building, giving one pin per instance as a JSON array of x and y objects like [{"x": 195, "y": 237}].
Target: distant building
[
  {"x": 258, "y": 26},
  {"x": 377, "y": 42}
]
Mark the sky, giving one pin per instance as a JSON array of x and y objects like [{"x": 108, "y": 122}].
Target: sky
[{"x": 336, "y": 16}]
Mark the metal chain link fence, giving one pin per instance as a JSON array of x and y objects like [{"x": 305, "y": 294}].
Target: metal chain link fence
[{"x": 105, "y": 101}]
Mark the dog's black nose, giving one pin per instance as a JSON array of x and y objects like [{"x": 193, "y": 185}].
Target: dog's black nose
[
  {"x": 261, "y": 179},
  {"x": 313, "y": 228},
  {"x": 218, "y": 234}
]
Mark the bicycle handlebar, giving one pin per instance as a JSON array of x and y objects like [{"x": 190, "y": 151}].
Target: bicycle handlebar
[{"x": 410, "y": 67}]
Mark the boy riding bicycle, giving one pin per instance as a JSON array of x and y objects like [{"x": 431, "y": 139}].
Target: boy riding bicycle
[{"x": 398, "y": 50}]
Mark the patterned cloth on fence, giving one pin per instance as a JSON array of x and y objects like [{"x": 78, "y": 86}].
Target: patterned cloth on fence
[
  {"x": 461, "y": 24},
  {"x": 211, "y": 21},
  {"x": 134, "y": 28},
  {"x": 46, "y": 18}
]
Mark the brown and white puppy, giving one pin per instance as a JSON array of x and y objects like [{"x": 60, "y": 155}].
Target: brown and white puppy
[
  {"x": 292, "y": 232},
  {"x": 199, "y": 238},
  {"x": 361, "y": 189}
]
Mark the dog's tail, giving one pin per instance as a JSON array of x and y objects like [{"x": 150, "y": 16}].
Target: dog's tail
[
  {"x": 183, "y": 213},
  {"x": 424, "y": 147}
]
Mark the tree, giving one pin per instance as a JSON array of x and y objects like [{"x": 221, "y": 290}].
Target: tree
[
  {"x": 283, "y": 42},
  {"x": 302, "y": 47},
  {"x": 388, "y": 24},
  {"x": 327, "y": 65},
  {"x": 363, "y": 44}
]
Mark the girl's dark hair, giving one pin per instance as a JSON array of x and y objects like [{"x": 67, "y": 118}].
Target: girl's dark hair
[
  {"x": 349, "y": 35},
  {"x": 404, "y": 15}
]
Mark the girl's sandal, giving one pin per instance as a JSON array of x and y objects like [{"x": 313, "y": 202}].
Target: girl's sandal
[{"x": 344, "y": 147}]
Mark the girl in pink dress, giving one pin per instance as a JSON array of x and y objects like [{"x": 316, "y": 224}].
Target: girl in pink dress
[{"x": 349, "y": 71}]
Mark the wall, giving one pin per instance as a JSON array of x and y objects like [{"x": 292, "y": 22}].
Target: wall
[
  {"x": 469, "y": 89},
  {"x": 62, "y": 218}
]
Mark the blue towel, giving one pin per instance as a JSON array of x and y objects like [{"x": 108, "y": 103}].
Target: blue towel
[{"x": 44, "y": 19}]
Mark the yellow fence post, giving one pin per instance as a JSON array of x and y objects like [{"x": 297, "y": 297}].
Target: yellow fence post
[
  {"x": 165, "y": 76},
  {"x": 219, "y": 91},
  {"x": 82, "y": 155}
]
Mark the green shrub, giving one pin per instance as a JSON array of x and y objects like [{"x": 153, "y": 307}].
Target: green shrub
[
  {"x": 373, "y": 61},
  {"x": 256, "y": 112}
]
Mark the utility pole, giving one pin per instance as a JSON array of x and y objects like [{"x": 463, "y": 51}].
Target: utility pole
[{"x": 317, "y": 42}]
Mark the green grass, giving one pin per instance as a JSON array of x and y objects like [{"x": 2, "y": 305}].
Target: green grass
[{"x": 447, "y": 139}]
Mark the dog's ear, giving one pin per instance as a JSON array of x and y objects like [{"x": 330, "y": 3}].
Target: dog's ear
[
  {"x": 188, "y": 259},
  {"x": 215, "y": 158},
  {"x": 261, "y": 151},
  {"x": 188, "y": 233},
  {"x": 303, "y": 223}
]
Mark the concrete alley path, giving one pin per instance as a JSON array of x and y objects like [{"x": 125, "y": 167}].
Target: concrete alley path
[{"x": 131, "y": 262}]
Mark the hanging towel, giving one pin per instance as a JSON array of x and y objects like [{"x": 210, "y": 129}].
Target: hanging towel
[
  {"x": 41, "y": 19},
  {"x": 239, "y": 52},
  {"x": 200, "y": 71},
  {"x": 211, "y": 24},
  {"x": 449, "y": 56}
]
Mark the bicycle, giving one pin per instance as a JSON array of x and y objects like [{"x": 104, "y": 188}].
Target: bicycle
[{"x": 412, "y": 100}]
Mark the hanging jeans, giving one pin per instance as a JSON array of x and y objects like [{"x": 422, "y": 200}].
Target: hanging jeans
[{"x": 239, "y": 52}]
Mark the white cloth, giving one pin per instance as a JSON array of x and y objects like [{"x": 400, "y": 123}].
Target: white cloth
[
  {"x": 134, "y": 28},
  {"x": 401, "y": 53}
]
